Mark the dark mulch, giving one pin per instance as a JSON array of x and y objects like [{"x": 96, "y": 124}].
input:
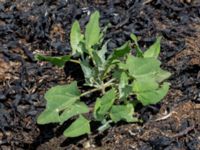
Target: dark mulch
[{"x": 42, "y": 26}]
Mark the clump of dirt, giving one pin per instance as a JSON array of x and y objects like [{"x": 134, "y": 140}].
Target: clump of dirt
[
  {"x": 8, "y": 70},
  {"x": 190, "y": 55}
]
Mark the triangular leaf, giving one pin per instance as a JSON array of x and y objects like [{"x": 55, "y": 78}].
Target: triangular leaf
[
  {"x": 101, "y": 53},
  {"x": 88, "y": 72},
  {"x": 120, "y": 52},
  {"x": 152, "y": 96},
  {"x": 58, "y": 98},
  {"x": 92, "y": 33},
  {"x": 161, "y": 75},
  {"x": 116, "y": 55},
  {"x": 138, "y": 50},
  {"x": 75, "y": 38},
  {"x": 58, "y": 61},
  {"x": 145, "y": 84},
  {"x": 99, "y": 57},
  {"x": 79, "y": 127},
  {"x": 124, "y": 88},
  {"x": 48, "y": 116},
  {"x": 154, "y": 49},
  {"x": 140, "y": 67},
  {"x": 86, "y": 68},
  {"x": 103, "y": 104},
  {"x": 75, "y": 109},
  {"x": 134, "y": 38},
  {"x": 103, "y": 32},
  {"x": 97, "y": 60},
  {"x": 122, "y": 112}
]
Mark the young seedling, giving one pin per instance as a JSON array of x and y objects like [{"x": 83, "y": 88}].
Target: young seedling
[{"x": 118, "y": 76}]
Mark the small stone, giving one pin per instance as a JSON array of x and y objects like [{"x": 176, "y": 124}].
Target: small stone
[
  {"x": 2, "y": 97},
  {"x": 87, "y": 145}
]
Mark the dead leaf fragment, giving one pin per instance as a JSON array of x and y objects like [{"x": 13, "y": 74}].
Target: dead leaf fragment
[
  {"x": 8, "y": 70},
  {"x": 4, "y": 70}
]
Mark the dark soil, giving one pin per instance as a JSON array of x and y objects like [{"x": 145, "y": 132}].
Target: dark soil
[{"x": 42, "y": 26}]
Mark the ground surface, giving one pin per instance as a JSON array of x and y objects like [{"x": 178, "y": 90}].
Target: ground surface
[{"x": 31, "y": 26}]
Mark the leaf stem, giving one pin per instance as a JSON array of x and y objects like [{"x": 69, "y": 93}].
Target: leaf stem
[
  {"x": 90, "y": 91},
  {"x": 74, "y": 61},
  {"x": 107, "y": 84}
]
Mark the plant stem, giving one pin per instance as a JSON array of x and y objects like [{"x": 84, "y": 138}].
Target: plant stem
[
  {"x": 74, "y": 61},
  {"x": 90, "y": 91},
  {"x": 107, "y": 84}
]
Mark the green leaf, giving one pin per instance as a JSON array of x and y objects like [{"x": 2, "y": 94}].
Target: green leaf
[
  {"x": 75, "y": 38},
  {"x": 141, "y": 67},
  {"x": 75, "y": 109},
  {"x": 61, "y": 96},
  {"x": 103, "y": 32},
  {"x": 124, "y": 88},
  {"x": 92, "y": 33},
  {"x": 48, "y": 116},
  {"x": 58, "y": 61},
  {"x": 122, "y": 112},
  {"x": 97, "y": 60},
  {"x": 101, "y": 53},
  {"x": 134, "y": 38},
  {"x": 96, "y": 108},
  {"x": 99, "y": 57},
  {"x": 103, "y": 104},
  {"x": 145, "y": 84},
  {"x": 117, "y": 54},
  {"x": 120, "y": 52},
  {"x": 105, "y": 126},
  {"x": 88, "y": 71},
  {"x": 154, "y": 49},
  {"x": 152, "y": 96},
  {"x": 117, "y": 74},
  {"x": 138, "y": 50},
  {"x": 122, "y": 66},
  {"x": 79, "y": 127},
  {"x": 58, "y": 98},
  {"x": 161, "y": 75}
]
